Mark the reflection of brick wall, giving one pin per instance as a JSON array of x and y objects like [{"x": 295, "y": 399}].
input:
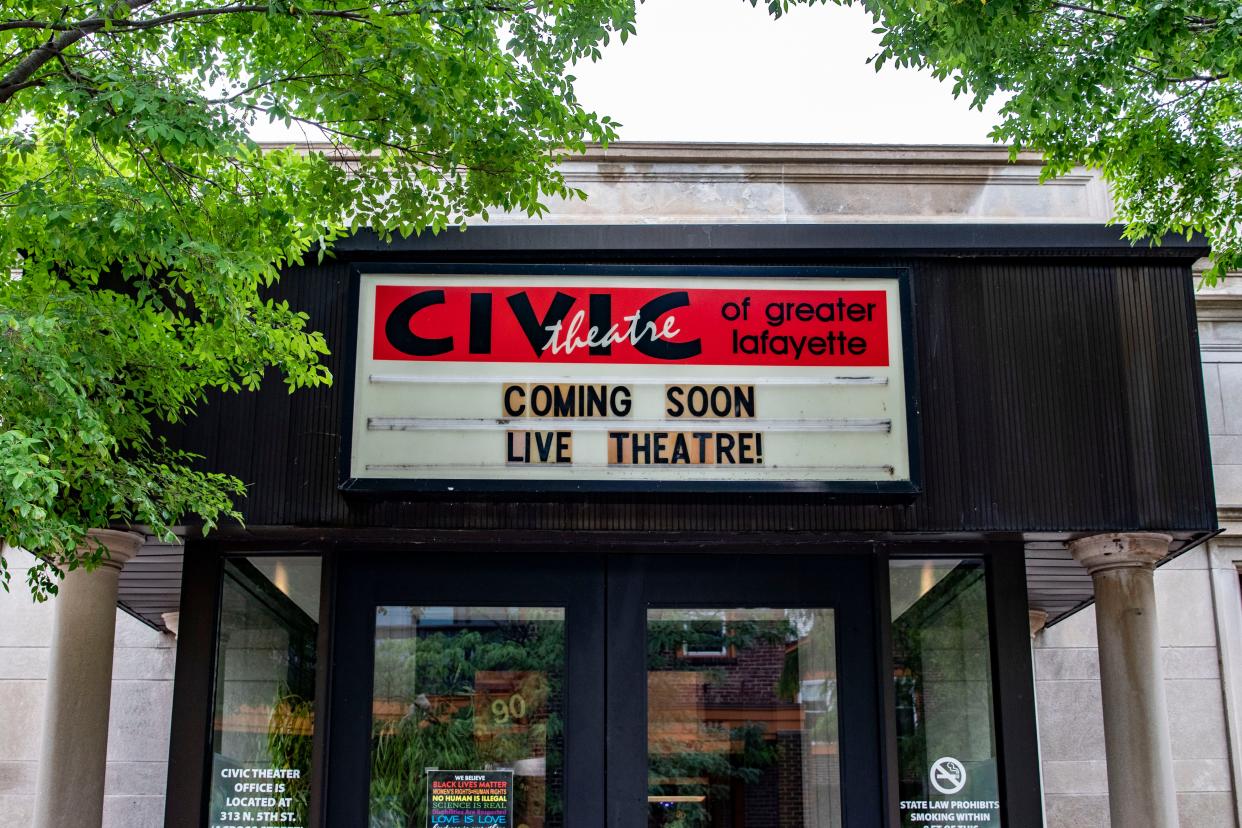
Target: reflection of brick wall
[
  {"x": 750, "y": 677},
  {"x": 763, "y": 803},
  {"x": 695, "y": 704},
  {"x": 789, "y": 767}
]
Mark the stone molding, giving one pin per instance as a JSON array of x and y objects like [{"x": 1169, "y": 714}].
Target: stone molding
[
  {"x": 760, "y": 153},
  {"x": 1218, "y": 307},
  {"x": 1219, "y": 304},
  {"x": 708, "y": 162},
  {"x": 776, "y": 152},
  {"x": 121, "y": 546},
  {"x": 1228, "y": 514},
  {"x": 1127, "y": 550}
]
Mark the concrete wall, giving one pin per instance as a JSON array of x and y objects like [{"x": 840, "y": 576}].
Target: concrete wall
[
  {"x": 1071, "y": 725},
  {"x": 139, "y": 719}
]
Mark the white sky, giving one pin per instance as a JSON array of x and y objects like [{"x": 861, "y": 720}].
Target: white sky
[{"x": 721, "y": 70}]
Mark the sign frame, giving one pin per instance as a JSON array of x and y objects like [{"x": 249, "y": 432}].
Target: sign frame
[{"x": 852, "y": 489}]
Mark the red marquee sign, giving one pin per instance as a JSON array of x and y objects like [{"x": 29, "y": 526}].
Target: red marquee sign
[{"x": 632, "y": 325}]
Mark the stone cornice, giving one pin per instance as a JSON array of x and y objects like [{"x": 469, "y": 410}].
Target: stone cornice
[
  {"x": 822, "y": 172},
  {"x": 721, "y": 183},
  {"x": 643, "y": 161}
]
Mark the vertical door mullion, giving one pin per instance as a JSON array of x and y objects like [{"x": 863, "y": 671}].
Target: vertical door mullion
[
  {"x": 888, "y": 696},
  {"x": 190, "y": 744},
  {"x": 626, "y": 717},
  {"x": 347, "y": 771},
  {"x": 858, "y": 709},
  {"x": 585, "y": 643},
  {"x": 323, "y": 689}
]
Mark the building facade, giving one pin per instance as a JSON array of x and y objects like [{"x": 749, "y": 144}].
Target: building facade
[{"x": 807, "y": 643}]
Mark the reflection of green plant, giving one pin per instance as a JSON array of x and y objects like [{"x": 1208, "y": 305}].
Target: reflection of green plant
[
  {"x": 433, "y": 678},
  {"x": 720, "y": 769},
  {"x": 402, "y": 751},
  {"x": 289, "y": 740},
  {"x": 448, "y": 662},
  {"x": 666, "y": 640}
]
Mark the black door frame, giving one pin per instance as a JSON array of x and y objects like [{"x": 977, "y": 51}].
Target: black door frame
[
  {"x": 190, "y": 743},
  {"x": 457, "y": 578},
  {"x": 841, "y": 582}
]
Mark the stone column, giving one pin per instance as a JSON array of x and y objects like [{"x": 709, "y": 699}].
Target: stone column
[
  {"x": 74, "y": 753},
  {"x": 1038, "y": 619},
  {"x": 1141, "y": 791}
]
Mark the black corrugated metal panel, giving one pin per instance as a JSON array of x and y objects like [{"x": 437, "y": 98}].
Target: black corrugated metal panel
[
  {"x": 1056, "y": 396},
  {"x": 1058, "y": 373}
]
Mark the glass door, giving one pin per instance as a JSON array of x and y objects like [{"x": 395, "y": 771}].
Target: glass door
[
  {"x": 593, "y": 691},
  {"x": 754, "y": 676},
  {"x": 467, "y": 692}
]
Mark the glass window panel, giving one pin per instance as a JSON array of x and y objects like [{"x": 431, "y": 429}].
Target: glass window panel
[
  {"x": 471, "y": 689},
  {"x": 265, "y": 692},
  {"x": 742, "y": 718},
  {"x": 942, "y": 678}
]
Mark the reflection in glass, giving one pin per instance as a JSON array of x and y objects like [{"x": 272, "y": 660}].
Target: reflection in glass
[
  {"x": 942, "y": 677},
  {"x": 265, "y": 691},
  {"x": 467, "y": 688},
  {"x": 742, "y": 718}
]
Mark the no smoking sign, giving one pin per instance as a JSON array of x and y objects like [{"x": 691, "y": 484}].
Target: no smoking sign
[{"x": 948, "y": 776}]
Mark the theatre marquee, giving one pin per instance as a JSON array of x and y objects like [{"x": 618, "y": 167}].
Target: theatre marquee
[{"x": 633, "y": 378}]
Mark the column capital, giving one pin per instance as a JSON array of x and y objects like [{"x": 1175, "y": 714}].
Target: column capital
[
  {"x": 1122, "y": 550},
  {"x": 121, "y": 546},
  {"x": 172, "y": 621},
  {"x": 1038, "y": 620}
]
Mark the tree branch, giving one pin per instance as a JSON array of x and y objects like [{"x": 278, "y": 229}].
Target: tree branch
[
  {"x": 18, "y": 77},
  {"x": 356, "y": 15},
  {"x": 276, "y": 81},
  {"x": 189, "y": 14},
  {"x": 9, "y": 25},
  {"x": 1090, "y": 10}
]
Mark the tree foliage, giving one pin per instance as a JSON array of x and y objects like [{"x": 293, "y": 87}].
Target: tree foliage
[
  {"x": 141, "y": 223},
  {"x": 1147, "y": 91},
  {"x": 144, "y": 224}
]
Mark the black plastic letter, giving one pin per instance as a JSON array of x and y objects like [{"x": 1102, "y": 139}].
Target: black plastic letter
[
  {"x": 662, "y": 348},
  {"x": 397, "y": 328}
]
